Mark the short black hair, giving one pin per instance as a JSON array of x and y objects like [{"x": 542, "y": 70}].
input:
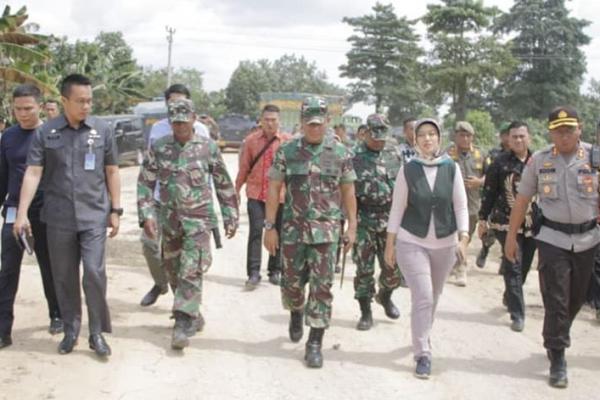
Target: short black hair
[
  {"x": 361, "y": 127},
  {"x": 408, "y": 120},
  {"x": 518, "y": 124},
  {"x": 27, "y": 90},
  {"x": 71, "y": 80},
  {"x": 177, "y": 88},
  {"x": 51, "y": 100},
  {"x": 340, "y": 126},
  {"x": 270, "y": 108}
]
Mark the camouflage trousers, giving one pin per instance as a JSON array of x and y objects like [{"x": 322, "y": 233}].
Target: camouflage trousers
[
  {"x": 312, "y": 264},
  {"x": 186, "y": 253},
  {"x": 369, "y": 244}
]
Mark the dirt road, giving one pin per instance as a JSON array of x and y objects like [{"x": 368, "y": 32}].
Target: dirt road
[{"x": 244, "y": 352}]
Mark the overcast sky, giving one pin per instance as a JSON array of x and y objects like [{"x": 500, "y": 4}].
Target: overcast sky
[{"x": 213, "y": 36}]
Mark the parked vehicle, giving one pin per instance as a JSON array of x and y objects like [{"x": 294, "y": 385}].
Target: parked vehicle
[
  {"x": 128, "y": 130},
  {"x": 234, "y": 128}
]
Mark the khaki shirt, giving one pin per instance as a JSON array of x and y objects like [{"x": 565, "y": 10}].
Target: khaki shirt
[
  {"x": 471, "y": 163},
  {"x": 567, "y": 190}
]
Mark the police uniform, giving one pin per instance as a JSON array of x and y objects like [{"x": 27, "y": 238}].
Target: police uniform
[
  {"x": 76, "y": 210},
  {"x": 567, "y": 190}
]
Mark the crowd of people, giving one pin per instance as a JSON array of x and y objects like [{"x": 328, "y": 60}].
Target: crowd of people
[{"x": 412, "y": 207}]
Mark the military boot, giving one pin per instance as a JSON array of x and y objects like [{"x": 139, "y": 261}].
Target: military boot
[
  {"x": 366, "y": 316},
  {"x": 196, "y": 325},
  {"x": 313, "y": 356},
  {"x": 384, "y": 297},
  {"x": 558, "y": 368},
  {"x": 296, "y": 328},
  {"x": 482, "y": 256},
  {"x": 183, "y": 324}
]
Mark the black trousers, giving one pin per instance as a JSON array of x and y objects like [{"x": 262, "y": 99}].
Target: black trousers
[
  {"x": 594, "y": 289},
  {"x": 256, "y": 216},
  {"x": 515, "y": 274},
  {"x": 564, "y": 281},
  {"x": 10, "y": 270}
]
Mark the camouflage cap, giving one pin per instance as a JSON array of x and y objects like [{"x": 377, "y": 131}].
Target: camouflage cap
[
  {"x": 314, "y": 110},
  {"x": 181, "y": 110},
  {"x": 378, "y": 125},
  {"x": 465, "y": 127}
]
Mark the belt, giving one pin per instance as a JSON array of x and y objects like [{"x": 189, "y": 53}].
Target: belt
[
  {"x": 374, "y": 207},
  {"x": 570, "y": 229}
]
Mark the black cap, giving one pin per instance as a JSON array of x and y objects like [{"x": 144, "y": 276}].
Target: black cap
[{"x": 563, "y": 116}]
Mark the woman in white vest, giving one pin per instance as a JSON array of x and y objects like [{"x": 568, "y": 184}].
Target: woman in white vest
[{"x": 427, "y": 230}]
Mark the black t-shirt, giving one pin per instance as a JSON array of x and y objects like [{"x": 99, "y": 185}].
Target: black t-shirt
[{"x": 14, "y": 146}]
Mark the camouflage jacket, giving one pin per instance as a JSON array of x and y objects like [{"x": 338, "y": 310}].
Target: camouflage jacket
[
  {"x": 183, "y": 173},
  {"x": 312, "y": 175},
  {"x": 376, "y": 173}
]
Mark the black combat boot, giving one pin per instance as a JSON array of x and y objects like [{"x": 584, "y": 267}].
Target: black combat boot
[
  {"x": 482, "y": 256},
  {"x": 558, "y": 368},
  {"x": 313, "y": 356},
  {"x": 183, "y": 325},
  {"x": 366, "y": 316},
  {"x": 296, "y": 328},
  {"x": 384, "y": 297}
]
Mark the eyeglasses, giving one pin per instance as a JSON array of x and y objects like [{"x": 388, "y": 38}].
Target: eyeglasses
[{"x": 81, "y": 102}]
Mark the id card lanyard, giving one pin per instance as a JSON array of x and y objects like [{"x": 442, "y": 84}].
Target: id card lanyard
[{"x": 90, "y": 155}]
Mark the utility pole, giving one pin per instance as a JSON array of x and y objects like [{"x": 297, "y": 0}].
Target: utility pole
[{"x": 170, "y": 32}]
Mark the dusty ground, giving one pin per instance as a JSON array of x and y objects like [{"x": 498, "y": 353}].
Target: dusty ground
[{"x": 244, "y": 351}]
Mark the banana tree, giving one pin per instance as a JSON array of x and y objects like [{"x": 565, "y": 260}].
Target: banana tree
[{"x": 22, "y": 54}]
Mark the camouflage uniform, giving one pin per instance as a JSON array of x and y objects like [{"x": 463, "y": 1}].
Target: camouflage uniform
[
  {"x": 187, "y": 213},
  {"x": 376, "y": 174},
  {"x": 311, "y": 222}
]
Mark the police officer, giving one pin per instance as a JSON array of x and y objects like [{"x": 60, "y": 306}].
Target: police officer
[
  {"x": 318, "y": 175},
  {"x": 376, "y": 166},
  {"x": 472, "y": 162},
  {"x": 182, "y": 163},
  {"x": 13, "y": 156},
  {"x": 77, "y": 155},
  {"x": 566, "y": 183}
]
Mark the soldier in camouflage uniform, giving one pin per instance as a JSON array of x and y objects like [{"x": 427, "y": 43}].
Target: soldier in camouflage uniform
[
  {"x": 376, "y": 165},
  {"x": 182, "y": 163},
  {"x": 318, "y": 176}
]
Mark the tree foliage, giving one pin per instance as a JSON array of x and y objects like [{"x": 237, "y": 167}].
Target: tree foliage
[
  {"x": 547, "y": 42},
  {"x": 108, "y": 62},
  {"x": 384, "y": 62},
  {"x": 466, "y": 59},
  {"x": 23, "y": 54},
  {"x": 289, "y": 73}
]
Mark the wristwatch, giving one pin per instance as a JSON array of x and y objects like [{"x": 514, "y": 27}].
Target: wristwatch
[
  {"x": 118, "y": 211},
  {"x": 268, "y": 225}
]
